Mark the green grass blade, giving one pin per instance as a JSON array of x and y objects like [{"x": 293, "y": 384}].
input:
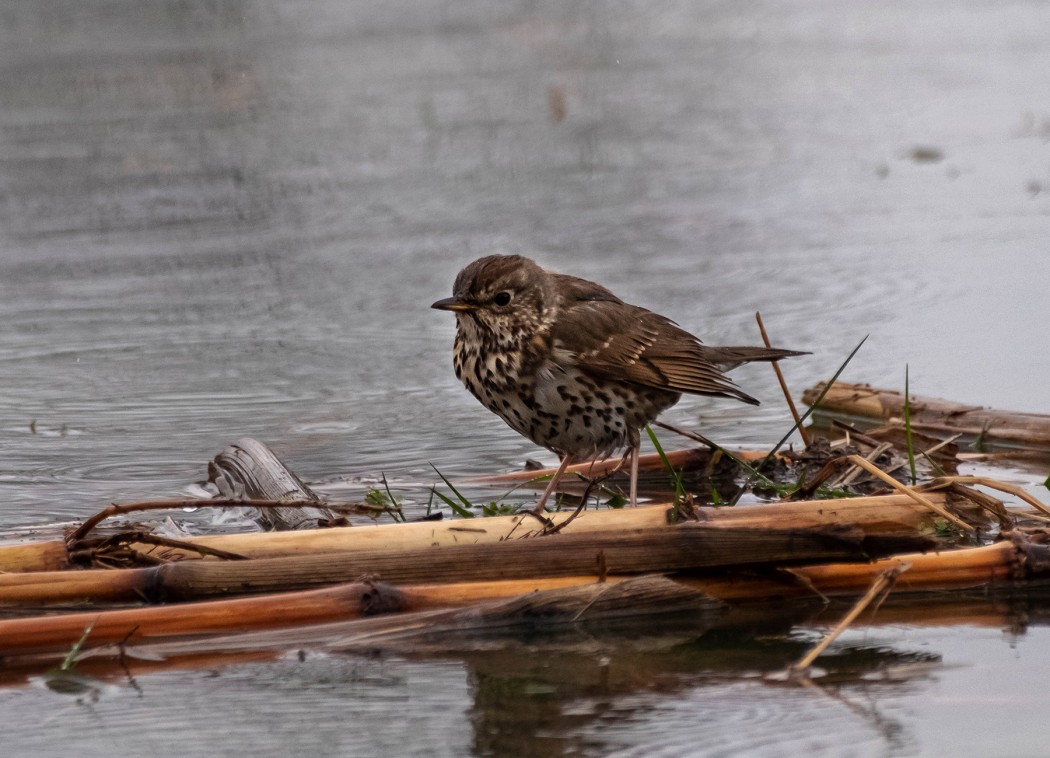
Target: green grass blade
[
  {"x": 466, "y": 509},
  {"x": 907, "y": 428},
  {"x": 395, "y": 505},
  {"x": 816, "y": 402},
  {"x": 458, "y": 509},
  {"x": 676, "y": 477},
  {"x": 71, "y": 657}
]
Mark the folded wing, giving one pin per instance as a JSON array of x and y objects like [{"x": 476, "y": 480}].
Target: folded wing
[{"x": 611, "y": 339}]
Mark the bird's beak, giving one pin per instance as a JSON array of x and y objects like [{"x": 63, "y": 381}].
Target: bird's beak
[{"x": 454, "y": 304}]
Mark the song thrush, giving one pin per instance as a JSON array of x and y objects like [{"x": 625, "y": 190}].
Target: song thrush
[{"x": 572, "y": 367}]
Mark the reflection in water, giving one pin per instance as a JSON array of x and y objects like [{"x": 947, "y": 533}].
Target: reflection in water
[
  {"x": 660, "y": 687},
  {"x": 606, "y": 699},
  {"x": 679, "y": 684},
  {"x": 671, "y": 689}
]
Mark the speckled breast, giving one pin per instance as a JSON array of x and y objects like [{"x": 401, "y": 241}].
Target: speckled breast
[{"x": 558, "y": 406}]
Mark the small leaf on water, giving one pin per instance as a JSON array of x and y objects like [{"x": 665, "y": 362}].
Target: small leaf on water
[{"x": 377, "y": 498}]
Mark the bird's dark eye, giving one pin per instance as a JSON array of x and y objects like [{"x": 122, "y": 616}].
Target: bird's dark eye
[{"x": 501, "y": 298}]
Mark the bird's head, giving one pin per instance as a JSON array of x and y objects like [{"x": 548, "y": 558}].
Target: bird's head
[{"x": 505, "y": 296}]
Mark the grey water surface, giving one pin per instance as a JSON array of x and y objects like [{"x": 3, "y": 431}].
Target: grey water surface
[{"x": 222, "y": 218}]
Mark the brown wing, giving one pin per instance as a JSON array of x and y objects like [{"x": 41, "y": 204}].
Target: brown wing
[{"x": 612, "y": 339}]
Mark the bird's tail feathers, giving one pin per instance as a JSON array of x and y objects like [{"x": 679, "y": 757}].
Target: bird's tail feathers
[{"x": 728, "y": 358}]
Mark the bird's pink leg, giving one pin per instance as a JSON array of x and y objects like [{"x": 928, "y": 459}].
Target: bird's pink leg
[
  {"x": 539, "y": 509},
  {"x": 634, "y": 476}
]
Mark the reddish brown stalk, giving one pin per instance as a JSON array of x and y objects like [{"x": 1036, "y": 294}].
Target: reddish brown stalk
[{"x": 783, "y": 384}]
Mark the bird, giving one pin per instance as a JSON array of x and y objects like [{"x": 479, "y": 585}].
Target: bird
[{"x": 572, "y": 367}]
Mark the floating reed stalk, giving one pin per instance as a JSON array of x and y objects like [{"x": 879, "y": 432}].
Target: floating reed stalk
[
  {"x": 1007, "y": 561},
  {"x": 935, "y": 416},
  {"x": 890, "y": 514}
]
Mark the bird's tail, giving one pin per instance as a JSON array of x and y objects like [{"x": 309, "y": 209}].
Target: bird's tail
[{"x": 728, "y": 358}]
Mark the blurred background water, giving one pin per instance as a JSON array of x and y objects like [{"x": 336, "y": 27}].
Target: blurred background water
[{"x": 222, "y": 218}]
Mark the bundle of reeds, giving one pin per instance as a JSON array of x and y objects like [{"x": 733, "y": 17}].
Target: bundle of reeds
[{"x": 587, "y": 564}]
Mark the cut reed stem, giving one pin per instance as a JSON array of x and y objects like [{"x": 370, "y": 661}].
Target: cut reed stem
[{"x": 783, "y": 384}]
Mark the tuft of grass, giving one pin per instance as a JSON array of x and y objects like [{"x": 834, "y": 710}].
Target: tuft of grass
[
  {"x": 464, "y": 508},
  {"x": 797, "y": 424},
  {"x": 498, "y": 508},
  {"x": 384, "y": 500},
  {"x": 754, "y": 471},
  {"x": 943, "y": 531},
  {"x": 828, "y": 493}
]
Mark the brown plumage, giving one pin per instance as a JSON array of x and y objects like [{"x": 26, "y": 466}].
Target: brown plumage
[{"x": 572, "y": 367}]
